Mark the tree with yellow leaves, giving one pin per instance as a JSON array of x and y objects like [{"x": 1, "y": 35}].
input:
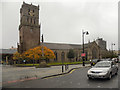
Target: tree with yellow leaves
[
  {"x": 36, "y": 54},
  {"x": 17, "y": 56}
]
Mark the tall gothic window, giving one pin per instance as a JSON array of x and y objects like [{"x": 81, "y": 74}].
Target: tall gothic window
[
  {"x": 55, "y": 56},
  {"x": 62, "y": 56},
  {"x": 31, "y": 20},
  {"x": 34, "y": 21},
  {"x": 27, "y": 20},
  {"x": 94, "y": 53},
  {"x": 28, "y": 11}
]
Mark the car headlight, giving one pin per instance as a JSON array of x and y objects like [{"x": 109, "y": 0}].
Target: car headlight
[{"x": 89, "y": 71}]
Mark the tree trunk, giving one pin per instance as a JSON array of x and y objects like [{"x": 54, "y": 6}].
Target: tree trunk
[
  {"x": 35, "y": 61},
  {"x": 14, "y": 62}
]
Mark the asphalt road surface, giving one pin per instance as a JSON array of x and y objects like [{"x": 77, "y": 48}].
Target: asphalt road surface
[{"x": 76, "y": 79}]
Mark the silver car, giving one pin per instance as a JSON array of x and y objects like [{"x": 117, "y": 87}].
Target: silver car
[{"x": 103, "y": 69}]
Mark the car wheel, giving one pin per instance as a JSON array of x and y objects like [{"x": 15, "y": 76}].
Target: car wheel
[
  {"x": 89, "y": 78},
  {"x": 110, "y": 76}
]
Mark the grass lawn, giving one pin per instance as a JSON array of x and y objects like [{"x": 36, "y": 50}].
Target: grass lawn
[
  {"x": 52, "y": 64},
  {"x": 26, "y": 65},
  {"x": 65, "y": 63}
]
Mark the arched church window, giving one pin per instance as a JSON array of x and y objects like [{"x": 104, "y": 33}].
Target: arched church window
[
  {"x": 28, "y": 11},
  {"x": 62, "y": 56},
  {"x": 33, "y": 12},
  {"x": 31, "y": 20},
  {"x": 34, "y": 21},
  {"x": 94, "y": 53},
  {"x": 55, "y": 56},
  {"x": 27, "y": 19}
]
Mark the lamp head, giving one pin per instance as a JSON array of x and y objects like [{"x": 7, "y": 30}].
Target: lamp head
[
  {"x": 113, "y": 43},
  {"x": 87, "y": 33}
]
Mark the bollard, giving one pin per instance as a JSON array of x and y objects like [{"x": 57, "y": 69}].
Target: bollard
[
  {"x": 67, "y": 66},
  {"x": 62, "y": 69}
]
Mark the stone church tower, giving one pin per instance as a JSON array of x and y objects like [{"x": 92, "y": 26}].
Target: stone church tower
[{"x": 29, "y": 28}]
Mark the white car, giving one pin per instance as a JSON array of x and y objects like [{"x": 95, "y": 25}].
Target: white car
[
  {"x": 103, "y": 69},
  {"x": 115, "y": 59}
]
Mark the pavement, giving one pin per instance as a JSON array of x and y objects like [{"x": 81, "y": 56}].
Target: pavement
[{"x": 10, "y": 73}]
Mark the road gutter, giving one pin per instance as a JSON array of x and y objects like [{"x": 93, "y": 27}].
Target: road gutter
[{"x": 70, "y": 71}]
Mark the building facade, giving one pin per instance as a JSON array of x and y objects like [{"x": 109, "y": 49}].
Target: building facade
[{"x": 92, "y": 51}]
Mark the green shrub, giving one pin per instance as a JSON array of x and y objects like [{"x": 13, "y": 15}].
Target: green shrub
[{"x": 42, "y": 65}]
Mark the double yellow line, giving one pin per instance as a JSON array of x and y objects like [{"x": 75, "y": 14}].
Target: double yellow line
[{"x": 61, "y": 74}]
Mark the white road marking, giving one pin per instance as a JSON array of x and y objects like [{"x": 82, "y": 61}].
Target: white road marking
[{"x": 99, "y": 86}]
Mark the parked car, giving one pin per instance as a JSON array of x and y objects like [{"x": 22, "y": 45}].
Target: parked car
[
  {"x": 103, "y": 69},
  {"x": 109, "y": 59},
  {"x": 115, "y": 59},
  {"x": 94, "y": 61}
]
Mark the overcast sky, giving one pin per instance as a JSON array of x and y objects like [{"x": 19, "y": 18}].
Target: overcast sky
[{"x": 63, "y": 21}]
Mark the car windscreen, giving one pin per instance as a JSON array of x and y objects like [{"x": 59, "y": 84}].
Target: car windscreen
[
  {"x": 103, "y": 64},
  {"x": 94, "y": 60}
]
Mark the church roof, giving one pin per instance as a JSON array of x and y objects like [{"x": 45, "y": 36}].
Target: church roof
[
  {"x": 64, "y": 46},
  {"x": 58, "y": 46},
  {"x": 53, "y": 46}
]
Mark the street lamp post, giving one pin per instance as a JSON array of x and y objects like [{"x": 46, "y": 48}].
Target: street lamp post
[
  {"x": 42, "y": 48},
  {"x": 62, "y": 67},
  {"x": 62, "y": 63},
  {"x": 86, "y": 32}
]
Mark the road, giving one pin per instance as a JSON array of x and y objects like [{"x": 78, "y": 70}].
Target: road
[{"x": 76, "y": 79}]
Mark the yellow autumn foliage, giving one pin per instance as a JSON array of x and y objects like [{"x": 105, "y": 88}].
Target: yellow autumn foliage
[
  {"x": 36, "y": 54},
  {"x": 17, "y": 56}
]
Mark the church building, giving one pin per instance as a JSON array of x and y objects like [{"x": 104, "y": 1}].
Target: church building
[{"x": 29, "y": 37}]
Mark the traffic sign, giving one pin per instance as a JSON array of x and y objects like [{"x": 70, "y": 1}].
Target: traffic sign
[{"x": 83, "y": 54}]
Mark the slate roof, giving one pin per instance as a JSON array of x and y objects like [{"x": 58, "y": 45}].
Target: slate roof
[
  {"x": 57, "y": 46},
  {"x": 64, "y": 46},
  {"x": 53, "y": 46}
]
